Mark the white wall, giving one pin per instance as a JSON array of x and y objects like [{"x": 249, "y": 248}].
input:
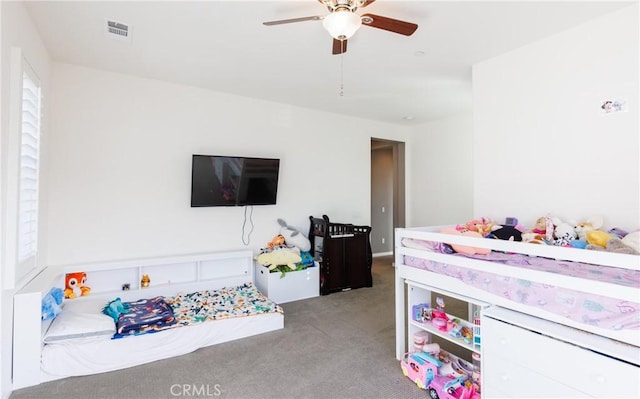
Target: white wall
[
  {"x": 120, "y": 170},
  {"x": 440, "y": 172},
  {"x": 541, "y": 142},
  {"x": 17, "y": 31}
]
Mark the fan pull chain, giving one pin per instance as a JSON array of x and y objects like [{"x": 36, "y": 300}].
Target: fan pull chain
[{"x": 342, "y": 69}]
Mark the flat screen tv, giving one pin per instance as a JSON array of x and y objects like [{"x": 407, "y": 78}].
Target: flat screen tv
[{"x": 233, "y": 181}]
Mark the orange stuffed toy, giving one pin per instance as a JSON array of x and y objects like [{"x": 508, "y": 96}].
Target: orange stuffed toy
[
  {"x": 75, "y": 285},
  {"x": 276, "y": 241}
]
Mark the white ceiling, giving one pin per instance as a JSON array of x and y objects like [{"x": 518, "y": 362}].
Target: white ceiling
[{"x": 223, "y": 46}]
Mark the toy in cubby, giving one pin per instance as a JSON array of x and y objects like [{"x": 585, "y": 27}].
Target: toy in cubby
[
  {"x": 451, "y": 388},
  {"x": 420, "y": 367},
  {"x": 422, "y": 343},
  {"x": 475, "y": 376},
  {"x": 444, "y": 375},
  {"x": 476, "y": 329},
  {"x": 422, "y": 312},
  {"x": 458, "y": 377}
]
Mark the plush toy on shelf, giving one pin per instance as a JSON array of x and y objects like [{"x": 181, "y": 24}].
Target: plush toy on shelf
[{"x": 74, "y": 284}]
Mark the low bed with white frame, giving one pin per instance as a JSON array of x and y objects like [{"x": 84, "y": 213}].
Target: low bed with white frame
[{"x": 35, "y": 362}]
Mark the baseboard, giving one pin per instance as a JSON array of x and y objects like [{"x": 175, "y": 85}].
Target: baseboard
[{"x": 382, "y": 254}]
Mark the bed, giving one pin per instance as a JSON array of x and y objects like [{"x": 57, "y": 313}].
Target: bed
[
  {"x": 197, "y": 300},
  {"x": 573, "y": 298}
]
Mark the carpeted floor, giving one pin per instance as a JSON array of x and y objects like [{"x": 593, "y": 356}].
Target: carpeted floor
[{"x": 334, "y": 346}]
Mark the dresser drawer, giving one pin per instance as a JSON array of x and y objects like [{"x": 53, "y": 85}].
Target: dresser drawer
[
  {"x": 584, "y": 370},
  {"x": 506, "y": 379}
]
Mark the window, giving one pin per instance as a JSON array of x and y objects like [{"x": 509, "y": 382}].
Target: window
[
  {"x": 22, "y": 173},
  {"x": 29, "y": 171}
]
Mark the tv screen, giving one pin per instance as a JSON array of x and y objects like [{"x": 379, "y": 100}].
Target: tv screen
[{"x": 233, "y": 181}]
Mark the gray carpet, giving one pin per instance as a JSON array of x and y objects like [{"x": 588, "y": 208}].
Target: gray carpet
[{"x": 335, "y": 346}]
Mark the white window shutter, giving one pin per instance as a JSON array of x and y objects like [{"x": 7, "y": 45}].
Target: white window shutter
[{"x": 29, "y": 169}]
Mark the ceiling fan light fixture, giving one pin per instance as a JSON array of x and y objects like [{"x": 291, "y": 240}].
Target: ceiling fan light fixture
[{"x": 342, "y": 24}]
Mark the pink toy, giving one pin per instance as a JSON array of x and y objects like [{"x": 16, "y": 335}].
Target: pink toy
[
  {"x": 439, "y": 319},
  {"x": 420, "y": 338},
  {"x": 439, "y": 323},
  {"x": 451, "y": 388},
  {"x": 431, "y": 348},
  {"x": 420, "y": 368}
]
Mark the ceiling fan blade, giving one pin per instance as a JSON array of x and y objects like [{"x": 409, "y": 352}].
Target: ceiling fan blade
[
  {"x": 292, "y": 20},
  {"x": 339, "y": 46},
  {"x": 390, "y": 24}
]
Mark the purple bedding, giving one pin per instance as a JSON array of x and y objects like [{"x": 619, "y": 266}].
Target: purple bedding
[{"x": 583, "y": 307}]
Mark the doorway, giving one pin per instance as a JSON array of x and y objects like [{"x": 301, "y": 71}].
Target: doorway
[{"x": 387, "y": 193}]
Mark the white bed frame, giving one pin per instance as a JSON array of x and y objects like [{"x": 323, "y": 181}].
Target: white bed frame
[
  {"x": 609, "y": 361},
  {"x": 169, "y": 276}
]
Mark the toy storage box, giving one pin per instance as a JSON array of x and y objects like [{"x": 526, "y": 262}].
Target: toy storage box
[{"x": 301, "y": 284}]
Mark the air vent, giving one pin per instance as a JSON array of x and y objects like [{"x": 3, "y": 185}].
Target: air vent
[{"x": 118, "y": 30}]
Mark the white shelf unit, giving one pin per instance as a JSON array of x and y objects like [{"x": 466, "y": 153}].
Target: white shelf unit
[
  {"x": 418, "y": 294},
  {"x": 167, "y": 274}
]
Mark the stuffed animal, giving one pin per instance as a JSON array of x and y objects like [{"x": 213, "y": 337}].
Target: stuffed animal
[
  {"x": 593, "y": 223},
  {"x": 544, "y": 227},
  {"x": 294, "y": 237},
  {"x": 533, "y": 238},
  {"x": 276, "y": 241},
  {"x": 614, "y": 244},
  {"x": 482, "y": 226},
  {"x": 541, "y": 233},
  {"x": 52, "y": 303},
  {"x": 75, "y": 285},
  {"x": 598, "y": 237},
  {"x": 509, "y": 233},
  {"x": 563, "y": 232},
  {"x": 632, "y": 240},
  {"x": 279, "y": 256}
]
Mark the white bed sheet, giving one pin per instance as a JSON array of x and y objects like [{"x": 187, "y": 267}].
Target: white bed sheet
[{"x": 77, "y": 359}]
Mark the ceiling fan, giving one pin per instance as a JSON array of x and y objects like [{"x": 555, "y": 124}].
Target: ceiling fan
[{"x": 342, "y": 22}]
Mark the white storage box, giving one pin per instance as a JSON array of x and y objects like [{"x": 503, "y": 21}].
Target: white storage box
[{"x": 294, "y": 286}]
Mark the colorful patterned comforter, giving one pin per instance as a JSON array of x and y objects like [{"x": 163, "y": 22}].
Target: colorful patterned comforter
[{"x": 243, "y": 300}]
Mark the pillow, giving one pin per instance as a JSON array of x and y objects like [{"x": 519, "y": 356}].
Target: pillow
[
  {"x": 463, "y": 249},
  {"x": 632, "y": 240},
  {"x": 70, "y": 326},
  {"x": 418, "y": 244}
]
